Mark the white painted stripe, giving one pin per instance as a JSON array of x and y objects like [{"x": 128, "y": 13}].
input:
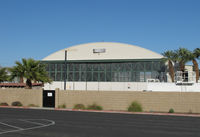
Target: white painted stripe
[
  {"x": 11, "y": 126},
  {"x": 31, "y": 128},
  {"x": 36, "y": 123},
  {"x": 1, "y": 130}
]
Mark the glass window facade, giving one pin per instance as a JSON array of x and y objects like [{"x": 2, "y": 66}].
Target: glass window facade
[{"x": 134, "y": 71}]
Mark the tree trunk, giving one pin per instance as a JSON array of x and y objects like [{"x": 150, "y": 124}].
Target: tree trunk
[
  {"x": 182, "y": 66},
  {"x": 171, "y": 70},
  {"x": 21, "y": 80},
  {"x": 28, "y": 84},
  {"x": 196, "y": 69}
]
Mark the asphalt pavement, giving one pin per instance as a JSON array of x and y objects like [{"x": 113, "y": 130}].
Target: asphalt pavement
[{"x": 15, "y": 122}]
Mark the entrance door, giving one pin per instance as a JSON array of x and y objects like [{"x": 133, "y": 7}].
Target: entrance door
[{"x": 48, "y": 98}]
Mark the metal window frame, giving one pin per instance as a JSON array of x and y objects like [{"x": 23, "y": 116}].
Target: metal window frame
[{"x": 155, "y": 67}]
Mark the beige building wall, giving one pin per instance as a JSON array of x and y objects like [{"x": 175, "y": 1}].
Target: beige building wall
[
  {"x": 183, "y": 102},
  {"x": 25, "y": 96}
]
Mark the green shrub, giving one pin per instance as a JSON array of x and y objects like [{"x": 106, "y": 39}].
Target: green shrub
[
  {"x": 79, "y": 106},
  {"x": 3, "y": 104},
  {"x": 62, "y": 106},
  {"x": 94, "y": 107},
  {"x": 17, "y": 103},
  {"x": 135, "y": 107},
  {"x": 32, "y": 105},
  {"x": 190, "y": 111},
  {"x": 171, "y": 110}
]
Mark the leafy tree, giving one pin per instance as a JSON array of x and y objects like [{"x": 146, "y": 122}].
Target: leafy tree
[
  {"x": 170, "y": 57},
  {"x": 32, "y": 70},
  {"x": 3, "y": 75}
]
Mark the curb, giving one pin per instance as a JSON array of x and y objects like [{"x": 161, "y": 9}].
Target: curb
[
  {"x": 137, "y": 113},
  {"x": 108, "y": 111}
]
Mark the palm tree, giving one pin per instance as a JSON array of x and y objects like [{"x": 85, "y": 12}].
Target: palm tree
[
  {"x": 182, "y": 56},
  {"x": 17, "y": 71},
  {"x": 3, "y": 75},
  {"x": 193, "y": 56},
  {"x": 32, "y": 70},
  {"x": 170, "y": 57}
]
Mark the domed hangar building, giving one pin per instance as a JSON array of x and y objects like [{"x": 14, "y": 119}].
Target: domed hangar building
[{"x": 104, "y": 66}]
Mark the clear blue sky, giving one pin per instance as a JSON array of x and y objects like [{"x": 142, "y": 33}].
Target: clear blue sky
[{"x": 37, "y": 28}]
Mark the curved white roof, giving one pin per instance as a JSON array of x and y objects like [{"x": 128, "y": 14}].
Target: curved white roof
[{"x": 113, "y": 51}]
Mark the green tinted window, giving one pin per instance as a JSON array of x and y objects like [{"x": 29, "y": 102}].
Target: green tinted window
[{"x": 133, "y": 71}]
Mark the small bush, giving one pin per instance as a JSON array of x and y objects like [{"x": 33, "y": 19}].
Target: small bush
[
  {"x": 62, "y": 106},
  {"x": 3, "y": 104},
  {"x": 32, "y": 105},
  {"x": 79, "y": 106},
  {"x": 17, "y": 103},
  {"x": 135, "y": 107},
  {"x": 171, "y": 110},
  {"x": 190, "y": 111},
  {"x": 94, "y": 107}
]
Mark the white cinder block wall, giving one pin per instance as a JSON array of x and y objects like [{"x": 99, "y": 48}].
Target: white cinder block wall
[{"x": 122, "y": 86}]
